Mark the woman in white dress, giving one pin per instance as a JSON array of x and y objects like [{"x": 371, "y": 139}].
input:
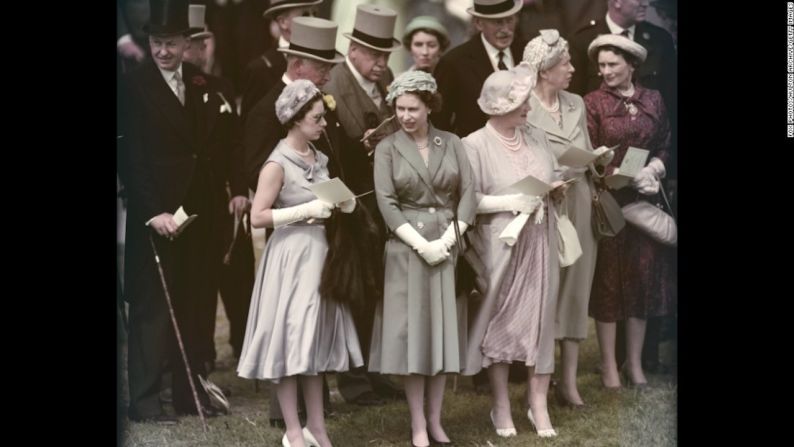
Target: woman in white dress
[
  {"x": 520, "y": 269},
  {"x": 292, "y": 331}
]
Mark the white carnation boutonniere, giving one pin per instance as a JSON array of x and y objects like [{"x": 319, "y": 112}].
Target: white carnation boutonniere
[
  {"x": 646, "y": 36},
  {"x": 330, "y": 102},
  {"x": 225, "y": 107},
  {"x": 206, "y": 97}
]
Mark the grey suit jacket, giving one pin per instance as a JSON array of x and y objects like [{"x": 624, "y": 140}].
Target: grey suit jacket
[{"x": 574, "y": 123}]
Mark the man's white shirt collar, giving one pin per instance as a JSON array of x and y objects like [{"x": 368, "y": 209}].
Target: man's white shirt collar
[
  {"x": 614, "y": 28},
  {"x": 493, "y": 54},
  {"x": 285, "y": 79}
]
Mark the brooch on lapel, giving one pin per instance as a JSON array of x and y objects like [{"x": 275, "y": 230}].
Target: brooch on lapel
[
  {"x": 437, "y": 141},
  {"x": 206, "y": 97},
  {"x": 225, "y": 107},
  {"x": 330, "y": 102}
]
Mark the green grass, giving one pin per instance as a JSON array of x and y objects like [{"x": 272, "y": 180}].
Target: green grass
[{"x": 626, "y": 418}]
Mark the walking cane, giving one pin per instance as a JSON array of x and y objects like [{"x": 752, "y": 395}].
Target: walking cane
[{"x": 178, "y": 335}]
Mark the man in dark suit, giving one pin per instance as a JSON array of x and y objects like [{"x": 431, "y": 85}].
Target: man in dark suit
[
  {"x": 263, "y": 73},
  {"x": 462, "y": 71},
  {"x": 359, "y": 88},
  {"x": 165, "y": 123},
  {"x": 658, "y": 72},
  {"x": 225, "y": 150}
]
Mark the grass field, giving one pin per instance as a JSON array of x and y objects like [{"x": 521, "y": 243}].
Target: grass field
[{"x": 611, "y": 419}]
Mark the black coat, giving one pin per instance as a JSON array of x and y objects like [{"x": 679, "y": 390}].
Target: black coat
[
  {"x": 259, "y": 77},
  {"x": 460, "y": 75}
]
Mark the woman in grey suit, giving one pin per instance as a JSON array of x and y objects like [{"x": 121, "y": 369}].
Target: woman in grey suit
[
  {"x": 425, "y": 194},
  {"x": 563, "y": 117},
  {"x": 515, "y": 322}
]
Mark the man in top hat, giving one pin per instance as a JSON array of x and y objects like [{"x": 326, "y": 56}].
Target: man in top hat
[
  {"x": 659, "y": 72},
  {"x": 234, "y": 275},
  {"x": 165, "y": 124},
  {"x": 263, "y": 73},
  {"x": 462, "y": 71},
  {"x": 359, "y": 89}
]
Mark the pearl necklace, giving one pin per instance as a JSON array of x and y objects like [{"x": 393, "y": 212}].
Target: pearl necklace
[
  {"x": 513, "y": 144},
  {"x": 629, "y": 92},
  {"x": 305, "y": 153},
  {"x": 553, "y": 109}
]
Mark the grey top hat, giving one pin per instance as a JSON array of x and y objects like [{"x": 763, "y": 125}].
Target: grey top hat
[
  {"x": 167, "y": 18},
  {"x": 374, "y": 28},
  {"x": 314, "y": 38},
  {"x": 495, "y": 9},
  {"x": 195, "y": 18},
  {"x": 280, "y": 5}
]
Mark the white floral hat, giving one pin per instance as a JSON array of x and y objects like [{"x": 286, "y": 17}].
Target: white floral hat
[
  {"x": 411, "y": 81},
  {"x": 505, "y": 90},
  {"x": 293, "y": 98},
  {"x": 545, "y": 50}
]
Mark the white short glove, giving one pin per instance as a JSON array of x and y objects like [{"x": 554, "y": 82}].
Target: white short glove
[
  {"x": 647, "y": 180},
  {"x": 517, "y": 203},
  {"x": 432, "y": 252},
  {"x": 449, "y": 235},
  {"x": 603, "y": 161},
  {"x": 314, "y": 209},
  {"x": 348, "y": 206}
]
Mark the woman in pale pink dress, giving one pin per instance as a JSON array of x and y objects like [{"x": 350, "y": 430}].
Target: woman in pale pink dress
[{"x": 519, "y": 280}]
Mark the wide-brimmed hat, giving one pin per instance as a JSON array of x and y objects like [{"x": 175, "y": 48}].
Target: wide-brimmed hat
[
  {"x": 314, "y": 38},
  {"x": 505, "y": 90},
  {"x": 428, "y": 23},
  {"x": 279, "y": 5},
  {"x": 196, "y": 19},
  {"x": 494, "y": 9},
  {"x": 374, "y": 28},
  {"x": 167, "y": 18},
  {"x": 294, "y": 96},
  {"x": 616, "y": 40},
  {"x": 545, "y": 50}
]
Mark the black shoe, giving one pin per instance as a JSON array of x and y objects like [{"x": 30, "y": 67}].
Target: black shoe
[
  {"x": 160, "y": 419},
  {"x": 434, "y": 441}
]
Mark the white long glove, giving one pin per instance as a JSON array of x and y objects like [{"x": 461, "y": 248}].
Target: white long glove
[
  {"x": 449, "y": 235},
  {"x": 314, "y": 209},
  {"x": 647, "y": 180},
  {"x": 601, "y": 150},
  {"x": 348, "y": 206},
  {"x": 432, "y": 252},
  {"x": 517, "y": 203}
]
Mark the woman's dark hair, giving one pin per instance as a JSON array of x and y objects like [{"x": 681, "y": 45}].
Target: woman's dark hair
[
  {"x": 433, "y": 101},
  {"x": 630, "y": 58},
  {"x": 303, "y": 111},
  {"x": 443, "y": 42}
]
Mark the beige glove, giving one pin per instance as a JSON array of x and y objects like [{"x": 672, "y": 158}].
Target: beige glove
[{"x": 314, "y": 209}]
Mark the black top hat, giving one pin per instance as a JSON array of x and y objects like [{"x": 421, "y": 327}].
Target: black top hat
[{"x": 167, "y": 18}]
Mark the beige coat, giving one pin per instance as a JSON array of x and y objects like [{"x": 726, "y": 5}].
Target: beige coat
[{"x": 577, "y": 279}]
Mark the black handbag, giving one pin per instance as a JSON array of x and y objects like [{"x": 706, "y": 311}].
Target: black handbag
[{"x": 607, "y": 219}]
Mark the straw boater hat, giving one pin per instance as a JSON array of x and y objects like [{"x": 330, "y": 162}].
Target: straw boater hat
[
  {"x": 167, "y": 18},
  {"x": 195, "y": 18},
  {"x": 279, "y": 5},
  {"x": 494, "y": 9},
  {"x": 616, "y": 40},
  {"x": 374, "y": 28},
  {"x": 314, "y": 38}
]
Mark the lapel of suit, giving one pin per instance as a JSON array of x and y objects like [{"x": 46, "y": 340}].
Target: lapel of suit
[
  {"x": 355, "y": 97},
  {"x": 480, "y": 63},
  {"x": 158, "y": 91},
  {"x": 407, "y": 148},
  {"x": 437, "y": 151},
  {"x": 539, "y": 117},
  {"x": 205, "y": 112},
  {"x": 570, "y": 117}
]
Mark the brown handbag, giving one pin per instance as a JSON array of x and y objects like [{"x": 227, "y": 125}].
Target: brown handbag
[{"x": 607, "y": 219}]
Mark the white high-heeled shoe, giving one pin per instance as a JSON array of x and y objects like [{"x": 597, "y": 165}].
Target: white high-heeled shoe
[
  {"x": 545, "y": 433},
  {"x": 503, "y": 432},
  {"x": 309, "y": 439}
]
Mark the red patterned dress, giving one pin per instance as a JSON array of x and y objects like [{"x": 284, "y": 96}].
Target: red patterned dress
[{"x": 635, "y": 276}]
